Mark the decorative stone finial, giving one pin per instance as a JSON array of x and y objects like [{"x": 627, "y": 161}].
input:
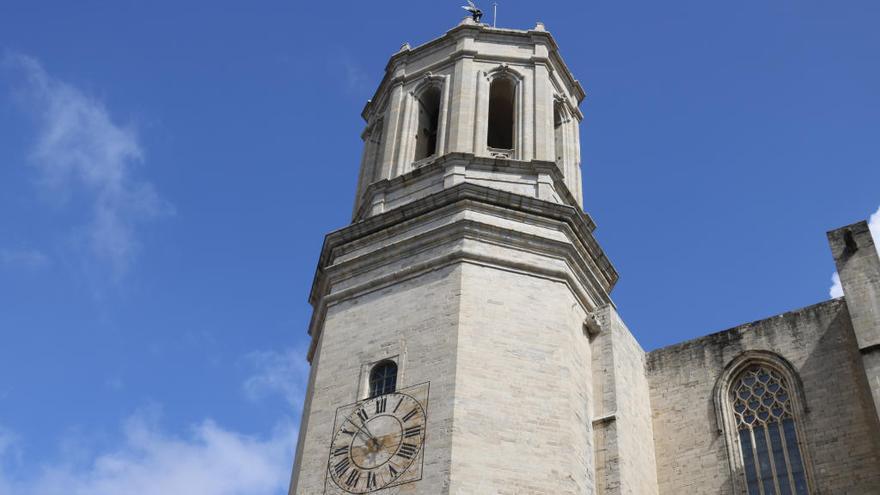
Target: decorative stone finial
[{"x": 540, "y": 26}]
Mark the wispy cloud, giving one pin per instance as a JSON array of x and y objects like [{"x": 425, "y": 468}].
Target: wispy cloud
[
  {"x": 283, "y": 373},
  {"x": 79, "y": 148},
  {"x": 8, "y": 441},
  {"x": 23, "y": 258},
  {"x": 10, "y": 457},
  {"x": 209, "y": 460},
  {"x": 347, "y": 70},
  {"x": 836, "y": 289},
  {"x": 355, "y": 77}
]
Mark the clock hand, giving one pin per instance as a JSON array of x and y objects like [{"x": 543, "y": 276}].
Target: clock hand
[
  {"x": 361, "y": 430},
  {"x": 368, "y": 430}
]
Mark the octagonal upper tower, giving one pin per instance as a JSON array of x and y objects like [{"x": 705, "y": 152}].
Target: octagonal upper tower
[{"x": 497, "y": 107}]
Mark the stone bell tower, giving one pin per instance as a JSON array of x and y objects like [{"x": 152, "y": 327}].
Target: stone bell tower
[{"x": 455, "y": 318}]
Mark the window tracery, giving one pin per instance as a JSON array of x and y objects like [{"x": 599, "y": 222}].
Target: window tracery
[{"x": 764, "y": 417}]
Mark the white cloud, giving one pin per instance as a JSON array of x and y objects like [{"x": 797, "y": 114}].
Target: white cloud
[
  {"x": 80, "y": 149},
  {"x": 210, "y": 460},
  {"x": 23, "y": 258},
  {"x": 874, "y": 226},
  {"x": 836, "y": 289},
  {"x": 285, "y": 373},
  {"x": 207, "y": 460}
]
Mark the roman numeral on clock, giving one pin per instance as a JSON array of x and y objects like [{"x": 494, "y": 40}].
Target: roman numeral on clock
[
  {"x": 410, "y": 414},
  {"x": 363, "y": 415},
  {"x": 341, "y": 467},
  {"x": 408, "y": 450},
  {"x": 398, "y": 440},
  {"x": 353, "y": 478}
]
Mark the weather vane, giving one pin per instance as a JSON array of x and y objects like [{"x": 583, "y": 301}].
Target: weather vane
[{"x": 476, "y": 13}]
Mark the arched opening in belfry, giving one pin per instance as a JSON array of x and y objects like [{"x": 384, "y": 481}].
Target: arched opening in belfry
[
  {"x": 502, "y": 95},
  {"x": 429, "y": 116},
  {"x": 557, "y": 134}
]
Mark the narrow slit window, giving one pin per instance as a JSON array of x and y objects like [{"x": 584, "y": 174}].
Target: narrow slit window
[
  {"x": 429, "y": 116},
  {"x": 502, "y": 94},
  {"x": 383, "y": 378},
  {"x": 768, "y": 441}
]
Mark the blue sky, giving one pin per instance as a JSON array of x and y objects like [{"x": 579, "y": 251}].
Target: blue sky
[{"x": 168, "y": 171}]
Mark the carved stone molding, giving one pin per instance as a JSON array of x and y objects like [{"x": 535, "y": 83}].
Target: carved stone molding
[{"x": 503, "y": 70}]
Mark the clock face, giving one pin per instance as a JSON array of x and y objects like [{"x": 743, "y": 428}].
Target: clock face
[{"x": 377, "y": 443}]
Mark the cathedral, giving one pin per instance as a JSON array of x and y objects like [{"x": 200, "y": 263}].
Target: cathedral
[{"x": 464, "y": 339}]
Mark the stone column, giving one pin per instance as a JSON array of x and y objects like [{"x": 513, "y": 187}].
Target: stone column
[
  {"x": 405, "y": 137},
  {"x": 366, "y": 169},
  {"x": 462, "y": 100},
  {"x": 544, "y": 148},
  {"x": 388, "y": 153},
  {"x": 443, "y": 119},
  {"x": 578, "y": 191}
]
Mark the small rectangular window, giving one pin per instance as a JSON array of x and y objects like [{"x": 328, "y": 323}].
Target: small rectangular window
[{"x": 383, "y": 378}]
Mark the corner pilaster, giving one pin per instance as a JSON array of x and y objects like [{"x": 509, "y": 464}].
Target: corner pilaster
[{"x": 858, "y": 265}]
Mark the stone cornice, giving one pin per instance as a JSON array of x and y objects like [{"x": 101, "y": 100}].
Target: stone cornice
[
  {"x": 584, "y": 268},
  {"x": 575, "y": 219},
  {"x": 438, "y": 165},
  {"x": 585, "y": 278}
]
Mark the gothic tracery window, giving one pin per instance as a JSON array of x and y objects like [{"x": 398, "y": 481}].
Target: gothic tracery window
[
  {"x": 765, "y": 420},
  {"x": 383, "y": 378}
]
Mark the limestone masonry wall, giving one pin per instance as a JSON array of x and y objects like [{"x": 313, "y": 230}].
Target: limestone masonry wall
[
  {"x": 841, "y": 433},
  {"x": 622, "y": 416},
  {"x": 522, "y": 387},
  {"x": 390, "y": 322}
]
